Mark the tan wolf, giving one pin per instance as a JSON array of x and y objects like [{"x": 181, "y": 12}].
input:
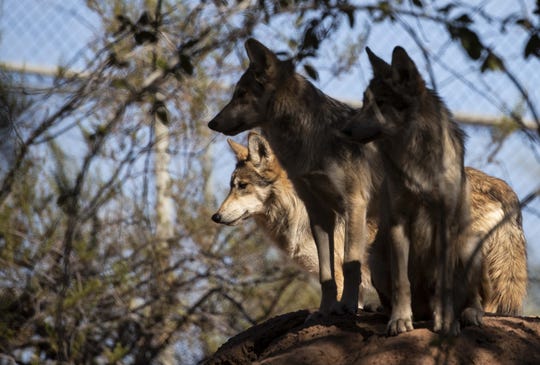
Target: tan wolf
[
  {"x": 496, "y": 219},
  {"x": 334, "y": 177},
  {"x": 260, "y": 189},
  {"x": 424, "y": 225}
]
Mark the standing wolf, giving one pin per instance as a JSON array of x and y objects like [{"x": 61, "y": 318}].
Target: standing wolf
[
  {"x": 335, "y": 178},
  {"x": 261, "y": 189},
  {"x": 425, "y": 210}
]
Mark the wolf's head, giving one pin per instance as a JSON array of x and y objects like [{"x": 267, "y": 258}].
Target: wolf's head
[
  {"x": 393, "y": 95},
  {"x": 252, "y": 93},
  {"x": 251, "y": 181}
]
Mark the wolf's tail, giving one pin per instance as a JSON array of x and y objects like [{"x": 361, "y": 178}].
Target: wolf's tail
[
  {"x": 505, "y": 259},
  {"x": 496, "y": 217}
]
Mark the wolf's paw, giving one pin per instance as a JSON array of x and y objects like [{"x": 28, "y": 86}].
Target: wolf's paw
[
  {"x": 315, "y": 318},
  {"x": 399, "y": 325},
  {"x": 472, "y": 317},
  {"x": 400, "y": 320},
  {"x": 328, "y": 296},
  {"x": 373, "y": 308},
  {"x": 327, "y": 306},
  {"x": 447, "y": 326},
  {"x": 448, "y": 329},
  {"x": 342, "y": 308},
  {"x": 444, "y": 320}
]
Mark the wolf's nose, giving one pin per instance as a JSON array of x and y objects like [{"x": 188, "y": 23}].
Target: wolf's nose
[
  {"x": 216, "y": 217},
  {"x": 212, "y": 124}
]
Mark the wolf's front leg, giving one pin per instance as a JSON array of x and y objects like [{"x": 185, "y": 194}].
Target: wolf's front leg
[
  {"x": 401, "y": 317},
  {"x": 354, "y": 253},
  {"x": 468, "y": 290},
  {"x": 322, "y": 221},
  {"x": 325, "y": 251},
  {"x": 444, "y": 318}
]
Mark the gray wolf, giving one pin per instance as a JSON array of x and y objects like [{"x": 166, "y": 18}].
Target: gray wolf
[
  {"x": 334, "y": 177},
  {"x": 424, "y": 225},
  {"x": 260, "y": 189}
]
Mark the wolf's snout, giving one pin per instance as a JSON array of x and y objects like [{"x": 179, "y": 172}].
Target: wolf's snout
[
  {"x": 212, "y": 125},
  {"x": 216, "y": 218}
]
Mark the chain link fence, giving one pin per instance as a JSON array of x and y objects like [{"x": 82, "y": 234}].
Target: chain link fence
[{"x": 39, "y": 36}]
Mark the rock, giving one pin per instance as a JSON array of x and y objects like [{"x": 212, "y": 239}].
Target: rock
[{"x": 361, "y": 339}]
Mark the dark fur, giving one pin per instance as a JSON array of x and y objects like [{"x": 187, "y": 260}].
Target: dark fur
[
  {"x": 332, "y": 176},
  {"x": 425, "y": 213}
]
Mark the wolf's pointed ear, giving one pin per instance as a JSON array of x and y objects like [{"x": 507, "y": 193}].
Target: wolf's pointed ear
[
  {"x": 240, "y": 151},
  {"x": 263, "y": 60},
  {"x": 259, "y": 149},
  {"x": 404, "y": 71},
  {"x": 380, "y": 68}
]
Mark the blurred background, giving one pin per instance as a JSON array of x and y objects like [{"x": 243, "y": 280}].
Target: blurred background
[{"x": 109, "y": 174}]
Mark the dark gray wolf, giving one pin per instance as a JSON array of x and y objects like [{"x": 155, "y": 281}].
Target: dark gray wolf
[
  {"x": 261, "y": 189},
  {"x": 425, "y": 209},
  {"x": 334, "y": 177}
]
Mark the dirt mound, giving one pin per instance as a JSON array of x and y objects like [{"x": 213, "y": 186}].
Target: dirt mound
[{"x": 361, "y": 339}]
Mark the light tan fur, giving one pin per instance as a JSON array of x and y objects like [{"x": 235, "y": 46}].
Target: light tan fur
[{"x": 496, "y": 217}]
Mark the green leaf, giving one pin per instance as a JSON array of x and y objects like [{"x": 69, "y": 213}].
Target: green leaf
[
  {"x": 120, "y": 83},
  {"x": 525, "y": 23},
  {"x": 310, "y": 70},
  {"x": 161, "y": 63},
  {"x": 385, "y": 7},
  {"x": 492, "y": 63},
  {"x": 463, "y": 19},
  {"x": 469, "y": 40},
  {"x": 532, "y": 47}
]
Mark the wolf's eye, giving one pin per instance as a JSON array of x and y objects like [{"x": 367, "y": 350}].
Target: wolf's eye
[{"x": 242, "y": 185}]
